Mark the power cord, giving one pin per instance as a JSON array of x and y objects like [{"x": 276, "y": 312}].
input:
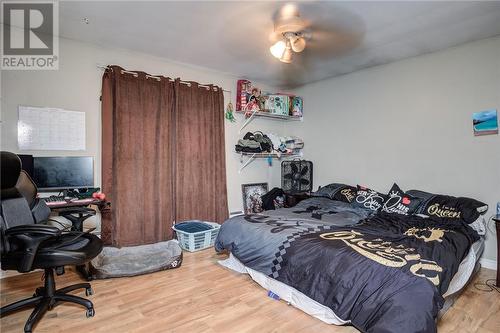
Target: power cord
[
  {"x": 490, "y": 284},
  {"x": 487, "y": 286},
  {"x": 490, "y": 224},
  {"x": 64, "y": 227}
]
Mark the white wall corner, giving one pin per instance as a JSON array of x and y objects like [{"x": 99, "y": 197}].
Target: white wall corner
[{"x": 488, "y": 263}]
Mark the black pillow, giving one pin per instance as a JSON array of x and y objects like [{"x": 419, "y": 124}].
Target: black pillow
[
  {"x": 346, "y": 194},
  {"x": 447, "y": 207},
  {"x": 368, "y": 199},
  {"x": 337, "y": 191},
  {"x": 399, "y": 202}
]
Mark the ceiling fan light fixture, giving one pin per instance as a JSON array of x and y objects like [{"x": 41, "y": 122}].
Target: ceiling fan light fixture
[
  {"x": 288, "y": 54},
  {"x": 278, "y": 49},
  {"x": 298, "y": 44}
]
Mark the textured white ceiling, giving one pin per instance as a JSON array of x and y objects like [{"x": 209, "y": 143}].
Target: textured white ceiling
[{"x": 234, "y": 37}]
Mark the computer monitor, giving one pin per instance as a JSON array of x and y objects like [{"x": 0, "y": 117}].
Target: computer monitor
[
  {"x": 27, "y": 163},
  {"x": 63, "y": 173}
]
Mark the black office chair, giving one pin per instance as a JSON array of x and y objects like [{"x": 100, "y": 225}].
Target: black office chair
[{"x": 26, "y": 245}]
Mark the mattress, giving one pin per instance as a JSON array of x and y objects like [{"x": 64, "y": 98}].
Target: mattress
[
  {"x": 324, "y": 313},
  {"x": 466, "y": 268}
]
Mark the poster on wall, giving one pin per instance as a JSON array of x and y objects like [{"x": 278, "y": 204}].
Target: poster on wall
[
  {"x": 485, "y": 122},
  {"x": 252, "y": 197}
]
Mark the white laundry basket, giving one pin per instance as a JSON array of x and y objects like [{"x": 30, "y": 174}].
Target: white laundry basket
[{"x": 197, "y": 241}]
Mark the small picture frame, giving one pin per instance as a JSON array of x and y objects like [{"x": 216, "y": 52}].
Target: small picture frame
[
  {"x": 485, "y": 122},
  {"x": 252, "y": 193}
]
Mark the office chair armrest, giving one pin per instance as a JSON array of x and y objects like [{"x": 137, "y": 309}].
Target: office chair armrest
[
  {"x": 31, "y": 236},
  {"x": 76, "y": 210},
  {"x": 40, "y": 229}
]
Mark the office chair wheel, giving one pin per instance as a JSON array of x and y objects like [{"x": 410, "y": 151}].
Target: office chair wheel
[
  {"x": 89, "y": 292},
  {"x": 90, "y": 312}
]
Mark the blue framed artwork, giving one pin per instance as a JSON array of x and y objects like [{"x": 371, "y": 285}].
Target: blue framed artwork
[{"x": 485, "y": 122}]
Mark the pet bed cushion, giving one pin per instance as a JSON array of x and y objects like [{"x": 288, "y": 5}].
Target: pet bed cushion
[{"x": 136, "y": 260}]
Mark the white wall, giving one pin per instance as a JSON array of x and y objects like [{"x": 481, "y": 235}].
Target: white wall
[
  {"x": 77, "y": 85},
  {"x": 410, "y": 122}
]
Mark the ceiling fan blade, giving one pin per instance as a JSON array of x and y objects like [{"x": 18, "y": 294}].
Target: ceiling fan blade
[
  {"x": 326, "y": 44},
  {"x": 332, "y": 30}
]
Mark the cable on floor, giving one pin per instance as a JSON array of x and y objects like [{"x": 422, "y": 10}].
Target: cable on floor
[{"x": 487, "y": 286}]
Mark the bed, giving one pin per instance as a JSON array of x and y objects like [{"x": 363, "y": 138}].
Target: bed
[{"x": 346, "y": 265}]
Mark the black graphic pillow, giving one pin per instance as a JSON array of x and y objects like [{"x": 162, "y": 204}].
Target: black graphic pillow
[
  {"x": 368, "y": 199},
  {"x": 398, "y": 202},
  {"x": 447, "y": 207},
  {"x": 336, "y": 191},
  {"x": 346, "y": 194}
]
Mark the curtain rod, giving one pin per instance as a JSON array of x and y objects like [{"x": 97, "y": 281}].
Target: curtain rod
[{"x": 159, "y": 78}]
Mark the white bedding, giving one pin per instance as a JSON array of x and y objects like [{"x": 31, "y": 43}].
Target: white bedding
[
  {"x": 466, "y": 268},
  {"x": 325, "y": 314}
]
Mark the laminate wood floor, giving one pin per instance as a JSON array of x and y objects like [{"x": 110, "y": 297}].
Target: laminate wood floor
[{"x": 202, "y": 296}]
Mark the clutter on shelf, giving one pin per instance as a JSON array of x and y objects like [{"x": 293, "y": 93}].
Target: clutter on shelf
[
  {"x": 252, "y": 101},
  {"x": 260, "y": 145},
  {"x": 258, "y": 142}
]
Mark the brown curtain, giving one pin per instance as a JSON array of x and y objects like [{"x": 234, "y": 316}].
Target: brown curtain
[
  {"x": 137, "y": 170},
  {"x": 200, "y": 166},
  {"x": 163, "y": 156}
]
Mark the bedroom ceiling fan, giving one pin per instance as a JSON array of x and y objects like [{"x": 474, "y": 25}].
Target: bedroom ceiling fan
[
  {"x": 324, "y": 37},
  {"x": 293, "y": 33}
]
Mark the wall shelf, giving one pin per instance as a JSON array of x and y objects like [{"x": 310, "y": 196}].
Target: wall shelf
[
  {"x": 253, "y": 156},
  {"x": 264, "y": 114}
]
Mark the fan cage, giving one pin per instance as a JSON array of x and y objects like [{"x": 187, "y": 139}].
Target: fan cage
[{"x": 288, "y": 185}]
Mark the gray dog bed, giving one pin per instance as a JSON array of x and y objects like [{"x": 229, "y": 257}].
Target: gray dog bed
[{"x": 136, "y": 260}]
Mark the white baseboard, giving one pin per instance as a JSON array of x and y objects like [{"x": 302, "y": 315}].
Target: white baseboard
[{"x": 488, "y": 263}]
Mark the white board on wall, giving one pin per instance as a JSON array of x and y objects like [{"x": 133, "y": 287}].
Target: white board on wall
[{"x": 50, "y": 129}]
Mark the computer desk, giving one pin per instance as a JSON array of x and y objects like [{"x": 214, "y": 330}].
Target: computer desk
[
  {"x": 73, "y": 203},
  {"x": 67, "y": 209},
  {"x": 78, "y": 207}
]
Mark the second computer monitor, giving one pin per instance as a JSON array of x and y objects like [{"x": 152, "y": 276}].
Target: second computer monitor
[{"x": 63, "y": 173}]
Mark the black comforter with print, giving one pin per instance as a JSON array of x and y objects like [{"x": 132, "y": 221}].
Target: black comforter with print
[{"x": 385, "y": 274}]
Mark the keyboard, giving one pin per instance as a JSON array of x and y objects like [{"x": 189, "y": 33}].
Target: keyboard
[{"x": 55, "y": 200}]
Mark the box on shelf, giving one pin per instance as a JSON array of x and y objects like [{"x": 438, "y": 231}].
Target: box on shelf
[
  {"x": 250, "y": 98},
  {"x": 278, "y": 104},
  {"x": 296, "y": 106}
]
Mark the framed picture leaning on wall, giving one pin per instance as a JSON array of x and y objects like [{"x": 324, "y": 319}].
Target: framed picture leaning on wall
[{"x": 252, "y": 193}]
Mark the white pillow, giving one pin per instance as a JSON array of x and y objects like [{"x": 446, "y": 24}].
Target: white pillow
[{"x": 479, "y": 225}]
